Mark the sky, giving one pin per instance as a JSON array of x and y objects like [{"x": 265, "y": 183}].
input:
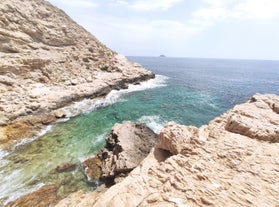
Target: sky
[{"x": 240, "y": 29}]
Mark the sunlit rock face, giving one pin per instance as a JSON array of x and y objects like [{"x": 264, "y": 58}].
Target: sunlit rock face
[{"x": 48, "y": 61}]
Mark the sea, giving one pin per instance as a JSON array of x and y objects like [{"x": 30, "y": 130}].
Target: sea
[{"x": 189, "y": 91}]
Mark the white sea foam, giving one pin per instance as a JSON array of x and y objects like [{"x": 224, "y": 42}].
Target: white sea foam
[
  {"x": 88, "y": 105},
  {"x": 153, "y": 122},
  {"x": 45, "y": 130},
  {"x": 20, "y": 192},
  {"x": 99, "y": 139},
  {"x": 23, "y": 142},
  {"x": 29, "y": 140},
  {"x": 3, "y": 154}
]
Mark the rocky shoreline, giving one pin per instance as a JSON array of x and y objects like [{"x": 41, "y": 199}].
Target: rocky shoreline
[
  {"x": 48, "y": 62},
  {"x": 213, "y": 165},
  {"x": 28, "y": 125}
]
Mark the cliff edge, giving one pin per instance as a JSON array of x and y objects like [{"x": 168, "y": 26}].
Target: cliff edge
[
  {"x": 47, "y": 61},
  {"x": 232, "y": 161}
]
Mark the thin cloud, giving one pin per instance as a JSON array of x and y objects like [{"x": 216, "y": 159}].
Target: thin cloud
[
  {"x": 148, "y": 5},
  {"x": 257, "y": 9},
  {"x": 75, "y": 3},
  {"x": 233, "y": 10}
]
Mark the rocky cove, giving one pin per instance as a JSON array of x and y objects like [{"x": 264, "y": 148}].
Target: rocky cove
[
  {"x": 232, "y": 160},
  {"x": 48, "y": 62}
]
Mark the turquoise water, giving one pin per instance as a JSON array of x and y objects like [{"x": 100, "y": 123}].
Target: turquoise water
[{"x": 187, "y": 91}]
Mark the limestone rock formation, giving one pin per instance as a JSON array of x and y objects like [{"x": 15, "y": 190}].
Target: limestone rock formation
[
  {"x": 127, "y": 145},
  {"x": 215, "y": 165},
  {"x": 48, "y": 61},
  {"x": 255, "y": 119}
]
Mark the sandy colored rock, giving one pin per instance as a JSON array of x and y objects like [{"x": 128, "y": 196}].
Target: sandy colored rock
[
  {"x": 126, "y": 146},
  {"x": 79, "y": 199},
  {"x": 226, "y": 169},
  {"x": 45, "y": 196},
  {"x": 47, "y": 61},
  {"x": 179, "y": 139},
  {"x": 256, "y": 118}
]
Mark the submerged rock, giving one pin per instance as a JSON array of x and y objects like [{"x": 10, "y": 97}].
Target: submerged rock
[
  {"x": 65, "y": 167},
  {"x": 44, "y": 196}
]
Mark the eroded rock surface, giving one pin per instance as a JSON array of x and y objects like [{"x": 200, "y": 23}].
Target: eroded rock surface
[
  {"x": 127, "y": 145},
  {"x": 48, "y": 61},
  {"x": 209, "y": 166},
  {"x": 256, "y": 118}
]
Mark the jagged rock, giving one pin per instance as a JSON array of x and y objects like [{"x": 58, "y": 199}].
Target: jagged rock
[
  {"x": 256, "y": 118},
  {"x": 92, "y": 168},
  {"x": 127, "y": 145},
  {"x": 60, "y": 113},
  {"x": 179, "y": 139},
  {"x": 226, "y": 169},
  {"x": 42, "y": 53}
]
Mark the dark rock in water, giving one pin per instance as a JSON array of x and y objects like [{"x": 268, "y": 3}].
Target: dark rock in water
[
  {"x": 92, "y": 168},
  {"x": 65, "y": 167},
  {"x": 44, "y": 196},
  {"x": 127, "y": 145}
]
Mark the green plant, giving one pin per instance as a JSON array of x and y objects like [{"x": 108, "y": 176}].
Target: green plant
[
  {"x": 104, "y": 68},
  {"x": 86, "y": 60}
]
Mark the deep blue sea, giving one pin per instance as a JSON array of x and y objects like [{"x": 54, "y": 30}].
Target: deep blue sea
[{"x": 186, "y": 90}]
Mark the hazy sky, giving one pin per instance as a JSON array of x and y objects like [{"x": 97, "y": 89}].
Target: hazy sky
[{"x": 182, "y": 28}]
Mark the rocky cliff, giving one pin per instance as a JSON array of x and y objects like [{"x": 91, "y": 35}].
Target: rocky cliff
[
  {"x": 48, "y": 61},
  {"x": 232, "y": 161}
]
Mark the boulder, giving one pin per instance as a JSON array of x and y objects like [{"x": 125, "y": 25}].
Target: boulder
[
  {"x": 179, "y": 139},
  {"x": 126, "y": 146},
  {"x": 256, "y": 118}
]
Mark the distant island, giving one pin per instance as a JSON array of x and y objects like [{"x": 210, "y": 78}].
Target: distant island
[{"x": 162, "y": 56}]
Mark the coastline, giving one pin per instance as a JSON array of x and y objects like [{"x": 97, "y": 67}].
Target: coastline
[
  {"x": 232, "y": 160},
  {"x": 49, "y": 63},
  {"x": 28, "y": 126}
]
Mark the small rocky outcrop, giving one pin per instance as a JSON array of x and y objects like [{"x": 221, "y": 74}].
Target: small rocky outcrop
[
  {"x": 126, "y": 146},
  {"x": 256, "y": 118},
  {"x": 92, "y": 168},
  {"x": 215, "y": 165}
]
